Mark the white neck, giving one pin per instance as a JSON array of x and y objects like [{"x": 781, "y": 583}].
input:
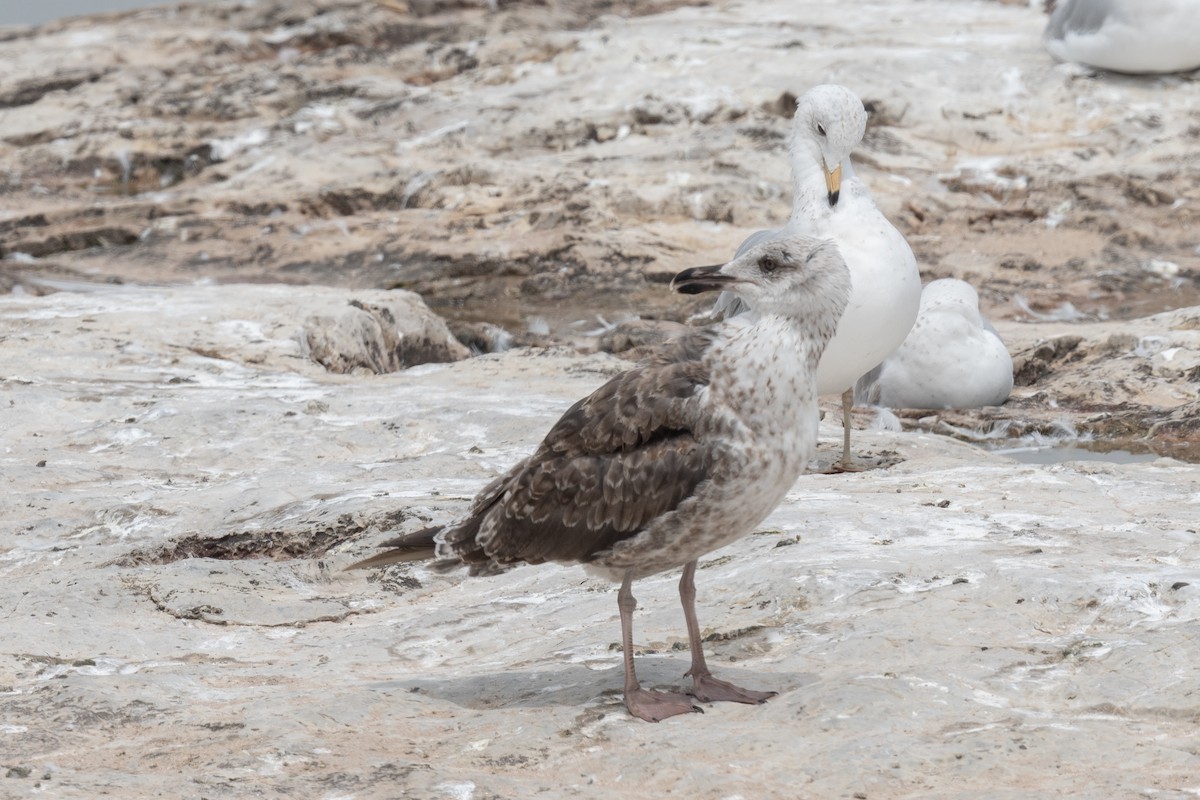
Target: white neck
[{"x": 810, "y": 197}]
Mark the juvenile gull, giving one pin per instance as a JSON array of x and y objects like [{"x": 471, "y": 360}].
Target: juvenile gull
[
  {"x": 679, "y": 456},
  {"x": 830, "y": 201},
  {"x": 1134, "y": 36},
  {"x": 952, "y": 358}
]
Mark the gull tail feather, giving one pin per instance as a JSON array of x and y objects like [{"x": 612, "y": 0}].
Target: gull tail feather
[{"x": 415, "y": 546}]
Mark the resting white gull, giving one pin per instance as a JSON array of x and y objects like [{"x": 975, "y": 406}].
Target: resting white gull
[
  {"x": 1134, "y": 36},
  {"x": 679, "y": 456},
  {"x": 952, "y": 358},
  {"x": 830, "y": 201}
]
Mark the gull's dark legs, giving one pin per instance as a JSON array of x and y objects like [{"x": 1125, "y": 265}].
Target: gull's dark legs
[
  {"x": 643, "y": 703},
  {"x": 704, "y": 686}
]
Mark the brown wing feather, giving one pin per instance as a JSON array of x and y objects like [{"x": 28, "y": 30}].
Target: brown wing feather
[
  {"x": 688, "y": 347},
  {"x": 629, "y": 410},
  {"x": 616, "y": 460},
  {"x": 571, "y": 509}
]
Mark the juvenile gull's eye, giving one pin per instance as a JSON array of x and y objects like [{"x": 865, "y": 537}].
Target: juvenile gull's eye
[
  {"x": 820, "y": 129},
  {"x": 767, "y": 264}
]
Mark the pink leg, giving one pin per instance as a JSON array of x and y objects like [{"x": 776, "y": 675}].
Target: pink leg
[
  {"x": 846, "y": 464},
  {"x": 704, "y": 686},
  {"x": 643, "y": 703}
]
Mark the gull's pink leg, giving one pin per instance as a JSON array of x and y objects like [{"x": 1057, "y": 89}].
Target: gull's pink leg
[
  {"x": 846, "y": 464},
  {"x": 643, "y": 703},
  {"x": 704, "y": 686}
]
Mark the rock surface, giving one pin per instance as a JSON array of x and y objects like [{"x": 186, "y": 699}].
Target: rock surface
[
  {"x": 395, "y": 333},
  {"x": 1121, "y": 384},
  {"x": 536, "y": 166},
  {"x": 183, "y": 481},
  {"x": 182, "y": 487}
]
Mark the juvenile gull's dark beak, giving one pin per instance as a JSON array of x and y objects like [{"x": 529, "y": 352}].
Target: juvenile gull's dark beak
[
  {"x": 833, "y": 182},
  {"x": 702, "y": 279}
]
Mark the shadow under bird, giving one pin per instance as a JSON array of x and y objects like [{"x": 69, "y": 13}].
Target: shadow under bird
[{"x": 683, "y": 454}]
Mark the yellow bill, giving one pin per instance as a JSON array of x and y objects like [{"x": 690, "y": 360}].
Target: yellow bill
[{"x": 833, "y": 182}]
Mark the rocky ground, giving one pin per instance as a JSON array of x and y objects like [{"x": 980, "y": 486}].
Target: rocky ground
[
  {"x": 183, "y": 485},
  {"x": 209, "y": 404},
  {"x": 545, "y": 167}
]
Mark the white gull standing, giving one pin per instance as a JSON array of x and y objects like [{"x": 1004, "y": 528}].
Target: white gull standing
[
  {"x": 830, "y": 201},
  {"x": 666, "y": 462},
  {"x": 952, "y": 358},
  {"x": 1134, "y": 36}
]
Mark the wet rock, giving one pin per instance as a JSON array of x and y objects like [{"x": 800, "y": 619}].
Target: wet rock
[
  {"x": 783, "y": 106},
  {"x": 67, "y": 242},
  {"x": 30, "y": 91},
  {"x": 280, "y": 134},
  {"x": 381, "y": 338},
  {"x": 652, "y": 110},
  {"x": 462, "y": 151},
  {"x": 1031, "y": 365},
  {"x": 482, "y": 337},
  {"x": 635, "y": 338},
  {"x": 1132, "y": 383}
]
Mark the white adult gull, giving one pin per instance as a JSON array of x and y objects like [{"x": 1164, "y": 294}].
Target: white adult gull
[
  {"x": 830, "y": 201},
  {"x": 952, "y": 358},
  {"x": 679, "y": 456},
  {"x": 1133, "y": 36}
]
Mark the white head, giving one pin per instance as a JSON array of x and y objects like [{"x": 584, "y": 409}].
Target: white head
[
  {"x": 949, "y": 291},
  {"x": 798, "y": 277},
  {"x": 830, "y": 122},
  {"x": 951, "y": 294}
]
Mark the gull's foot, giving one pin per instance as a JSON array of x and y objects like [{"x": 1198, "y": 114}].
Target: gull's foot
[
  {"x": 708, "y": 689},
  {"x": 657, "y": 706},
  {"x": 841, "y": 467}
]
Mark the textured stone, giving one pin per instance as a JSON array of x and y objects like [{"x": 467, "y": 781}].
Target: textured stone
[
  {"x": 182, "y": 487},
  {"x": 396, "y": 334},
  {"x": 182, "y": 482}
]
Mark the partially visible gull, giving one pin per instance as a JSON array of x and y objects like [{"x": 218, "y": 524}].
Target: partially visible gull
[
  {"x": 830, "y": 201},
  {"x": 679, "y": 456},
  {"x": 952, "y": 358},
  {"x": 1135, "y": 36}
]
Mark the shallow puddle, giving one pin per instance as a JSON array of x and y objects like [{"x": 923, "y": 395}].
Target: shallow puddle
[{"x": 1071, "y": 452}]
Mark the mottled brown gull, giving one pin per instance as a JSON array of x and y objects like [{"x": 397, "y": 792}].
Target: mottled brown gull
[
  {"x": 679, "y": 456},
  {"x": 829, "y": 201}
]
